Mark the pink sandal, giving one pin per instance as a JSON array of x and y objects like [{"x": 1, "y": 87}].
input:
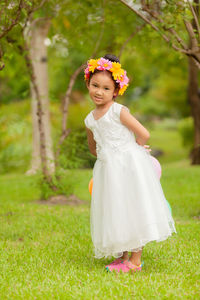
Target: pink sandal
[
  {"x": 125, "y": 266},
  {"x": 115, "y": 262}
]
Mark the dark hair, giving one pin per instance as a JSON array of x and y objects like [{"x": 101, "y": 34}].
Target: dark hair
[{"x": 112, "y": 58}]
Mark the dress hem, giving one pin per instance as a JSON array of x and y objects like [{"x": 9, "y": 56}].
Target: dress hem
[{"x": 116, "y": 254}]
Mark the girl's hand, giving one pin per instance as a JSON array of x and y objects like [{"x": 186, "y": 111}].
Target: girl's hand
[{"x": 147, "y": 146}]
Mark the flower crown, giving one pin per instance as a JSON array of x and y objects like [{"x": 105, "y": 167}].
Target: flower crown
[{"x": 118, "y": 73}]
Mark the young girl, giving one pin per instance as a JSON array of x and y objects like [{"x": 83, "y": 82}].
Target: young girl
[{"x": 128, "y": 207}]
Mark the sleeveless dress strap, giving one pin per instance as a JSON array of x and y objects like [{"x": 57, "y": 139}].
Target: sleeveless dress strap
[
  {"x": 118, "y": 107},
  {"x": 88, "y": 122}
]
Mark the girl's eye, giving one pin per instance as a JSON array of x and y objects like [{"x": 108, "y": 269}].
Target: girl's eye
[
  {"x": 94, "y": 85},
  {"x": 106, "y": 88}
]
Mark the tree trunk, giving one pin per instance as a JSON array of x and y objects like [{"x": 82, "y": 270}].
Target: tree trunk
[
  {"x": 194, "y": 101},
  {"x": 194, "y": 97},
  {"x": 39, "y": 59}
]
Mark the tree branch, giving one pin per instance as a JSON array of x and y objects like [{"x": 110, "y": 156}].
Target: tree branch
[
  {"x": 31, "y": 11},
  {"x": 65, "y": 132},
  {"x": 189, "y": 52},
  {"x": 146, "y": 20},
  {"x": 39, "y": 6},
  {"x": 194, "y": 42},
  {"x": 195, "y": 17},
  {"x": 130, "y": 37},
  {"x": 15, "y": 21},
  {"x": 101, "y": 33},
  {"x": 2, "y": 65},
  {"x": 156, "y": 16}
]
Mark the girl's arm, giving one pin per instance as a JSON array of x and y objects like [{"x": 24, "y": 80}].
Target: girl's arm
[
  {"x": 142, "y": 134},
  {"x": 91, "y": 142}
]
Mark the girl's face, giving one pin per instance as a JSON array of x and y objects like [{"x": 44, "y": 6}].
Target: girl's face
[{"x": 102, "y": 88}]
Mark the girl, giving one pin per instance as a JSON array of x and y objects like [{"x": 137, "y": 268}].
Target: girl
[{"x": 128, "y": 207}]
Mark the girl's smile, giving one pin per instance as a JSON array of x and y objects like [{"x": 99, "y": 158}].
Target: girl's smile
[{"x": 102, "y": 88}]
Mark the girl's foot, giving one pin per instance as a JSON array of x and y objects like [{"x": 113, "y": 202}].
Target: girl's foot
[
  {"x": 116, "y": 261},
  {"x": 133, "y": 267},
  {"x": 125, "y": 267}
]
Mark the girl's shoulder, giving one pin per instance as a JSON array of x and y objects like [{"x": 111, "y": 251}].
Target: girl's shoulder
[
  {"x": 87, "y": 120},
  {"x": 113, "y": 112},
  {"x": 117, "y": 108}
]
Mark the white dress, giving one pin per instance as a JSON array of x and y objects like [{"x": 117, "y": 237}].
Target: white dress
[{"x": 128, "y": 206}]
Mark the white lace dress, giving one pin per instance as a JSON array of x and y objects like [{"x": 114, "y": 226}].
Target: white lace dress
[{"x": 128, "y": 206}]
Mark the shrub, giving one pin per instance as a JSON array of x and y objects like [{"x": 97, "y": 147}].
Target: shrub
[
  {"x": 61, "y": 180},
  {"x": 186, "y": 130},
  {"x": 74, "y": 151}
]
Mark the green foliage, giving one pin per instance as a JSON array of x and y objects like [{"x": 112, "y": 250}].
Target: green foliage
[
  {"x": 74, "y": 150},
  {"x": 152, "y": 66},
  {"x": 76, "y": 27},
  {"x": 149, "y": 107},
  {"x": 60, "y": 179},
  {"x": 74, "y": 34},
  {"x": 15, "y": 82},
  {"x": 75, "y": 153},
  {"x": 14, "y": 157},
  {"x": 15, "y": 139},
  {"x": 16, "y": 134},
  {"x": 186, "y": 130},
  {"x": 163, "y": 91}
]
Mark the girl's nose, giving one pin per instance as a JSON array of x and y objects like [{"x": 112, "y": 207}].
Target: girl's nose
[{"x": 99, "y": 93}]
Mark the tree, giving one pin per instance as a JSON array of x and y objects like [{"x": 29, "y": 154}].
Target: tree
[
  {"x": 38, "y": 31},
  {"x": 168, "y": 18},
  {"x": 18, "y": 15}
]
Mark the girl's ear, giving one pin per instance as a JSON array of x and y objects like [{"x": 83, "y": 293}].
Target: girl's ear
[
  {"x": 116, "y": 92},
  {"x": 87, "y": 84}
]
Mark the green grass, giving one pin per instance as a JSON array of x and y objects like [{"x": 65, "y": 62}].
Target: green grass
[{"x": 46, "y": 251}]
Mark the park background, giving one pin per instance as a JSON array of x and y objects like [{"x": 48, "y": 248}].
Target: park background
[{"x": 46, "y": 250}]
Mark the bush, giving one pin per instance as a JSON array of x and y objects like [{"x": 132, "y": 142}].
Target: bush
[
  {"x": 61, "y": 180},
  {"x": 15, "y": 138},
  {"x": 186, "y": 130},
  {"x": 74, "y": 151},
  {"x": 148, "y": 106}
]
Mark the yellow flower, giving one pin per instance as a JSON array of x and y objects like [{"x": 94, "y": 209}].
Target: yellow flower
[
  {"x": 93, "y": 64},
  {"x": 118, "y": 74},
  {"x": 122, "y": 90},
  {"x": 116, "y": 70}
]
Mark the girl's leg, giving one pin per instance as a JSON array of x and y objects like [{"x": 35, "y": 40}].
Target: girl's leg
[
  {"x": 136, "y": 257},
  {"x": 118, "y": 260},
  {"x": 125, "y": 255}
]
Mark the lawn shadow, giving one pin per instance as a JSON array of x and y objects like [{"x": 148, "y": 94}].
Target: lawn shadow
[{"x": 71, "y": 200}]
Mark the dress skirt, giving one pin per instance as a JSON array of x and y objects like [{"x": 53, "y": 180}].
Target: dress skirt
[{"x": 128, "y": 207}]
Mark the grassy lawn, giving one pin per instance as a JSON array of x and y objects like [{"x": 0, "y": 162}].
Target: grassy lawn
[{"x": 46, "y": 251}]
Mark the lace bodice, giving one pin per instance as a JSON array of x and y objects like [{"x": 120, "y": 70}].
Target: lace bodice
[{"x": 109, "y": 133}]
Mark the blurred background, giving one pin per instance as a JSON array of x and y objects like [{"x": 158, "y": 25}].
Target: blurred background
[{"x": 59, "y": 37}]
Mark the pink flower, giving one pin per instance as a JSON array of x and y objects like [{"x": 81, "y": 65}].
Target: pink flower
[
  {"x": 122, "y": 80},
  {"x": 87, "y": 73},
  {"x": 119, "y": 75},
  {"x": 104, "y": 64}
]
